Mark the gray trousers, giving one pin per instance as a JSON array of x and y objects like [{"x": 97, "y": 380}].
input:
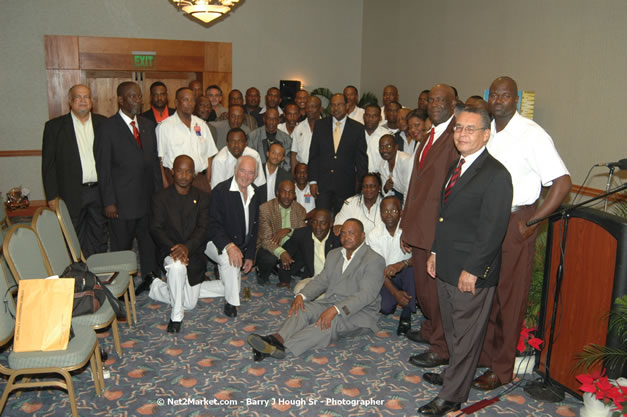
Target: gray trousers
[
  {"x": 465, "y": 320},
  {"x": 300, "y": 334}
]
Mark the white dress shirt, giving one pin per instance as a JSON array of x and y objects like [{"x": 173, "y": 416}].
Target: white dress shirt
[
  {"x": 271, "y": 182},
  {"x": 386, "y": 245},
  {"x": 301, "y": 141},
  {"x": 354, "y": 208},
  {"x": 372, "y": 143},
  {"x": 357, "y": 114},
  {"x": 305, "y": 199},
  {"x": 174, "y": 138},
  {"x": 223, "y": 166},
  {"x": 85, "y": 140},
  {"x": 283, "y": 128},
  {"x": 403, "y": 165},
  {"x": 347, "y": 261},
  {"x": 528, "y": 153},
  {"x": 250, "y": 192}
]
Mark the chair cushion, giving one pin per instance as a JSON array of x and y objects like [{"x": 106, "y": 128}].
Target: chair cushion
[
  {"x": 103, "y": 315},
  {"x": 119, "y": 285},
  {"x": 77, "y": 352},
  {"x": 125, "y": 260}
]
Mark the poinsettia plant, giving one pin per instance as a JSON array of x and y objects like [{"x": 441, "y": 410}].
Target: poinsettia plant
[
  {"x": 528, "y": 339},
  {"x": 610, "y": 393}
]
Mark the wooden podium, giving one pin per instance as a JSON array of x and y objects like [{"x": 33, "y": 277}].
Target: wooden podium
[{"x": 595, "y": 274}]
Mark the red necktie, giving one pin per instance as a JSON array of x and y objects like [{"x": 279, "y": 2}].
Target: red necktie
[
  {"x": 426, "y": 148},
  {"x": 136, "y": 134},
  {"x": 454, "y": 178}
]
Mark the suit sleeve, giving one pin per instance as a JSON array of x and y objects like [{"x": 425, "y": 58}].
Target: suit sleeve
[
  {"x": 265, "y": 227},
  {"x": 159, "y": 223},
  {"x": 370, "y": 284},
  {"x": 217, "y": 231},
  {"x": 48, "y": 161},
  {"x": 155, "y": 167},
  {"x": 103, "y": 155},
  {"x": 199, "y": 237},
  {"x": 361, "y": 159},
  {"x": 314, "y": 152},
  {"x": 253, "y": 222},
  {"x": 492, "y": 226}
]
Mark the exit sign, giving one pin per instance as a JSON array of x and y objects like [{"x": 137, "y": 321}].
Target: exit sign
[{"x": 144, "y": 59}]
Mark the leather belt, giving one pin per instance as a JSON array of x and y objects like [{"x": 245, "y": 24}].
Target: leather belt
[
  {"x": 90, "y": 184},
  {"x": 518, "y": 208}
]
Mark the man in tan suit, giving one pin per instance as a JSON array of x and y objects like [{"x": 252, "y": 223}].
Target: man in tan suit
[
  {"x": 431, "y": 163},
  {"x": 277, "y": 220}
]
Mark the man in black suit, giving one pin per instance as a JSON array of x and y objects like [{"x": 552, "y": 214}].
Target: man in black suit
[
  {"x": 310, "y": 245},
  {"x": 465, "y": 257},
  {"x": 337, "y": 157},
  {"x": 159, "y": 109},
  {"x": 68, "y": 169},
  {"x": 128, "y": 174},
  {"x": 273, "y": 173},
  {"x": 233, "y": 225},
  {"x": 179, "y": 225}
]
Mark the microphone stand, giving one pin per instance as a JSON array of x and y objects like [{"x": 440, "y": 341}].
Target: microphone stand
[
  {"x": 545, "y": 390},
  {"x": 607, "y": 187}
]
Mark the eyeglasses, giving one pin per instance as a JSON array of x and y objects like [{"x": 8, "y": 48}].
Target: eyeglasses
[
  {"x": 393, "y": 211},
  {"x": 469, "y": 129}
]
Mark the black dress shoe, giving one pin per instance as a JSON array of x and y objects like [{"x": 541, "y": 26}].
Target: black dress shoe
[
  {"x": 174, "y": 326},
  {"x": 427, "y": 360},
  {"x": 268, "y": 345},
  {"x": 230, "y": 310},
  {"x": 439, "y": 407},
  {"x": 403, "y": 327},
  {"x": 145, "y": 284},
  {"x": 103, "y": 355},
  {"x": 259, "y": 356},
  {"x": 414, "y": 336},
  {"x": 433, "y": 378}
]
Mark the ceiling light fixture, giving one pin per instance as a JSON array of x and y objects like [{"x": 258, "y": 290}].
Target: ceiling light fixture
[{"x": 205, "y": 10}]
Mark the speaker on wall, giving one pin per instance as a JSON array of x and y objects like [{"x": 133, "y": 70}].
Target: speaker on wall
[{"x": 288, "y": 90}]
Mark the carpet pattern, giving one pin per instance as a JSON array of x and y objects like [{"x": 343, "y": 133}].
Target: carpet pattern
[{"x": 207, "y": 370}]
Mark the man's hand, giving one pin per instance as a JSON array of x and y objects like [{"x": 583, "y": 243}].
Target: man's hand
[
  {"x": 467, "y": 282},
  {"x": 276, "y": 238},
  {"x": 179, "y": 252},
  {"x": 337, "y": 229},
  {"x": 388, "y": 185},
  {"x": 235, "y": 256},
  {"x": 314, "y": 190},
  {"x": 431, "y": 265},
  {"x": 297, "y": 304},
  {"x": 402, "y": 298},
  {"x": 286, "y": 260},
  {"x": 325, "y": 319},
  {"x": 111, "y": 211},
  {"x": 525, "y": 230},
  {"x": 52, "y": 204},
  {"x": 405, "y": 247},
  {"x": 248, "y": 265},
  {"x": 393, "y": 269}
]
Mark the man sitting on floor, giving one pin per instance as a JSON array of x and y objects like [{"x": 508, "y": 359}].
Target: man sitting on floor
[
  {"x": 352, "y": 278},
  {"x": 180, "y": 227}
]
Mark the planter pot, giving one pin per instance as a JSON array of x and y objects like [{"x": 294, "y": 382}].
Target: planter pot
[
  {"x": 524, "y": 365},
  {"x": 593, "y": 407}
]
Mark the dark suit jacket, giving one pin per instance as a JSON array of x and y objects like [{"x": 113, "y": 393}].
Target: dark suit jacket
[
  {"x": 127, "y": 174},
  {"x": 151, "y": 116},
  {"x": 423, "y": 196},
  {"x": 281, "y": 175},
  {"x": 183, "y": 220},
  {"x": 337, "y": 171},
  {"x": 227, "y": 223},
  {"x": 301, "y": 246},
  {"x": 61, "y": 168},
  {"x": 472, "y": 223}
]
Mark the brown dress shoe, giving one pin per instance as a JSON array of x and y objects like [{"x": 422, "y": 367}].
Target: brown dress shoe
[
  {"x": 283, "y": 285},
  {"x": 487, "y": 382}
]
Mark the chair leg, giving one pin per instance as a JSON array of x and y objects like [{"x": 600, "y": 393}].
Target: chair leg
[
  {"x": 131, "y": 292},
  {"x": 127, "y": 305},
  {"x": 100, "y": 367},
  {"x": 116, "y": 337},
  {"x": 70, "y": 390},
  {"x": 7, "y": 390},
  {"x": 19, "y": 393},
  {"x": 94, "y": 371}
]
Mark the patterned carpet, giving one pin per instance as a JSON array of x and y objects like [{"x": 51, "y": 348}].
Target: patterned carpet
[{"x": 209, "y": 363}]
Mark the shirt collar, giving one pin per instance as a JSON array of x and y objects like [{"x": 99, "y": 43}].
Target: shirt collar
[
  {"x": 77, "y": 120},
  {"x": 315, "y": 239},
  {"x": 468, "y": 160},
  {"x": 127, "y": 119},
  {"x": 343, "y": 250},
  {"x": 439, "y": 129},
  {"x": 234, "y": 187}
]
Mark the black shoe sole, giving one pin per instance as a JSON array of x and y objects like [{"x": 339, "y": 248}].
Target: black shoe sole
[{"x": 262, "y": 346}]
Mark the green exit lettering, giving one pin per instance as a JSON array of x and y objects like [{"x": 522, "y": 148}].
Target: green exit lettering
[{"x": 145, "y": 61}]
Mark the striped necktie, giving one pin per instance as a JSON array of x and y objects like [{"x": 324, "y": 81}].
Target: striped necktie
[{"x": 454, "y": 178}]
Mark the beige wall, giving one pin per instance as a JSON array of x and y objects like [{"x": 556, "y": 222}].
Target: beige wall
[
  {"x": 570, "y": 52},
  {"x": 272, "y": 40}
]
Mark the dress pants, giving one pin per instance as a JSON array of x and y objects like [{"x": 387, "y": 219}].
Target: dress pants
[
  {"x": 122, "y": 232},
  {"x": 177, "y": 292},
  {"x": 331, "y": 200},
  {"x": 404, "y": 280},
  {"x": 91, "y": 223},
  {"x": 300, "y": 335},
  {"x": 266, "y": 261},
  {"x": 510, "y": 301},
  {"x": 427, "y": 295},
  {"x": 465, "y": 319},
  {"x": 230, "y": 281}
]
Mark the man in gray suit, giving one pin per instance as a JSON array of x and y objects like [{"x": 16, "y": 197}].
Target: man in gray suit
[{"x": 352, "y": 278}]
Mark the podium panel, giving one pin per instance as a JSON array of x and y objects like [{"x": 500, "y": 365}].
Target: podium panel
[{"x": 594, "y": 275}]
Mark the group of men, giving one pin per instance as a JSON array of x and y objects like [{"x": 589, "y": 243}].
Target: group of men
[{"x": 252, "y": 185}]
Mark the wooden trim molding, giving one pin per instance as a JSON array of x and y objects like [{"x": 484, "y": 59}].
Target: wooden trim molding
[
  {"x": 20, "y": 152},
  {"x": 591, "y": 192}
]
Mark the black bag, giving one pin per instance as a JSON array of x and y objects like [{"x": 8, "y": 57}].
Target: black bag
[{"x": 89, "y": 293}]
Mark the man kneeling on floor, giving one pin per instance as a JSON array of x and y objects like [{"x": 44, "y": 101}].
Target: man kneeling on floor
[
  {"x": 352, "y": 278},
  {"x": 179, "y": 226}
]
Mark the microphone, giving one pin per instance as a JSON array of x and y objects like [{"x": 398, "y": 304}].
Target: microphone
[{"x": 622, "y": 164}]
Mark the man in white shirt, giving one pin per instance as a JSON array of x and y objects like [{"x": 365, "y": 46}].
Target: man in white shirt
[
  {"x": 273, "y": 99},
  {"x": 185, "y": 134},
  {"x": 292, "y": 114},
  {"x": 390, "y": 94},
  {"x": 372, "y": 117},
  {"x": 391, "y": 116},
  {"x": 363, "y": 207},
  {"x": 395, "y": 168},
  {"x": 303, "y": 193},
  {"x": 352, "y": 98},
  {"x": 300, "y": 98},
  {"x": 224, "y": 162},
  {"x": 399, "y": 287},
  {"x": 301, "y": 137},
  {"x": 529, "y": 155},
  {"x": 273, "y": 172}
]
